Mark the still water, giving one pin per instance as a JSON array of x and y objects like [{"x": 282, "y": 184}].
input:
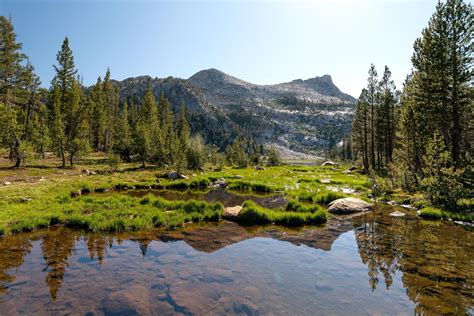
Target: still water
[{"x": 374, "y": 264}]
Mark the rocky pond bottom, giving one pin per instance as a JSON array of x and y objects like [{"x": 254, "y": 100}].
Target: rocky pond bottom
[{"x": 372, "y": 264}]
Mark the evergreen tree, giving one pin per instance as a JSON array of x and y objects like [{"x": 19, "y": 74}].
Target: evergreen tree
[
  {"x": 274, "y": 157},
  {"x": 360, "y": 129},
  {"x": 372, "y": 95},
  {"x": 40, "y": 136},
  {"x": 122, "y": 143},
  {"x": 438, "y": 96},
  {"x": 182, "y": 139},
  {"x": 111, "y": 109},
  {"x": 147, "y": 136},
  {"x": 385, "y": 118},
  {"x": 442, "y": 181},
  {"x": 98, "y": 117},
  {"x": 166, "y": 129},
  {"x": 10, "y": 63},
  {"x": 69, "y": 109}
]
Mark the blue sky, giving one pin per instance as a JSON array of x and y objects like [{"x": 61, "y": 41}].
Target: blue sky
[{"x": 262, "y": 42}]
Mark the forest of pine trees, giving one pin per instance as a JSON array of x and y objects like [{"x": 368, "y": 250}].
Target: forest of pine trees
[
  {"x": 72, "y": 120},
  {"x": 423, "y": 136}
]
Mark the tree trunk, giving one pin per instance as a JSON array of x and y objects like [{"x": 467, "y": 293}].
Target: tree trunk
[
  {"x": 372, "y": 144},
  {"x": 63, "y": 158},
  {"x": 17, "y": 161}
]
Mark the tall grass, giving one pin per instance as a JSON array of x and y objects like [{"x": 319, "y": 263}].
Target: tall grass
[
  {"x": 295, "y": 216},
  {"x": 431, "y": 213}
]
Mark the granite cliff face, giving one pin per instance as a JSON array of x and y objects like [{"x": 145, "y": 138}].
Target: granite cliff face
[{"x": 301, "y": 116}]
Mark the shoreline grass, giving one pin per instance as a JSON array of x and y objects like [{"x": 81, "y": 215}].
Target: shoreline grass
[
  {"x": 295, "y": 215},
  {"x": 40, "y": 197}
]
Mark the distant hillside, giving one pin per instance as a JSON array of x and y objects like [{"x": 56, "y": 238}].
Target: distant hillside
[{"x": 305, "y": 116}]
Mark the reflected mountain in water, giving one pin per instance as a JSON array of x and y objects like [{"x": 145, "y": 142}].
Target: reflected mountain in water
[{"x": 432, "y": 261}]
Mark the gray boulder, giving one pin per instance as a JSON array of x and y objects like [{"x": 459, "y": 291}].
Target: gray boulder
[{"x": 349, "y": 205}]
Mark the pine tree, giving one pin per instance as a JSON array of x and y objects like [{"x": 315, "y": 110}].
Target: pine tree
[
  {"x": 360, "y": 129},
  {"x": 385, "y": 118},
  {"x": 438, "y": 96},
  {"x": 372, "y": 95},
  {"x": 111, "y": 109},
  {"x": 10, "y": 63},
  {"x": 19, "y": 88},
  {"x": 442, "y": 181},
  {"x": 98, "y": 116},
  {"x": 57, "y": 123},
  {"x": 122, "y": 143},
  {"x": 147, "y": 136},
  {"x": 69, "y": 109},
  {"x": 182, "y": 138},
  {"x": 65, "y": 72},
  {"x": 40, "y": 135},
  {"x": 166, "y": 128},
  {"x": 77, "y": 124}
]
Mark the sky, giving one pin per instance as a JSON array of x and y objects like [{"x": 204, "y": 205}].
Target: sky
[{"x": 263, "y": 42}]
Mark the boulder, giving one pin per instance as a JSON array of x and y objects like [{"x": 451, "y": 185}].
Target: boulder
[
  {"x": 349, "y": 205},
  {"x": 218, "y": 184},
  {"x": 259, "y": 168},
  {"x": 7, "y": 183},
  {"x": 325, "y": 181},
  {"x": 397, "y": 214},
  {"x": 232, "y": 211},
  {"x": 328, "y": 163},
  {"x": 173, "y": 175},
  {"x": 182, "y": 176}
]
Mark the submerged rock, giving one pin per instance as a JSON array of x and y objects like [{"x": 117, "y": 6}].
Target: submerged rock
[
  {"x": 134, "y": 300},
  {"x": 349, "y": 205}
]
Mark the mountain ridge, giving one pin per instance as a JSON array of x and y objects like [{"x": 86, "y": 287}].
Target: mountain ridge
[{"x": 300, "y": 116}]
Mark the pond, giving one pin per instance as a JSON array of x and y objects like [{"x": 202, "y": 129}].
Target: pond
[
  {"x": 372, "y": 264},
  {"x": 227, "y": 198}
]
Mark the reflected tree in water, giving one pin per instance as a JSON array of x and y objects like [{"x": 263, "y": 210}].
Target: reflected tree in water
[
  {"x": 435, "y": 259},
  {"x": 12, "y": 254},
  {"x": 57, "y": 246},
  {"x": 97, "y": 244}
]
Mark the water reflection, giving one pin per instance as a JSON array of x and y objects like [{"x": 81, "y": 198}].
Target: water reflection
[
  {"x": 225, "y": 268},
  {"x": 437, "y": 260}
]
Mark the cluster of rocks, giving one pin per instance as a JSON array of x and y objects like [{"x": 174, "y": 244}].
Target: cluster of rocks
[
  {"x": 89, "y": 172},
  {"x": 218, "y": 184}
]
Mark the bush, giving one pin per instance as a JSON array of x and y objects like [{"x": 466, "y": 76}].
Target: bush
[
  {"x": 196, "y": 155},
  {"x": 274, "y": 157},
  {"x": 113, "y": 160}
]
